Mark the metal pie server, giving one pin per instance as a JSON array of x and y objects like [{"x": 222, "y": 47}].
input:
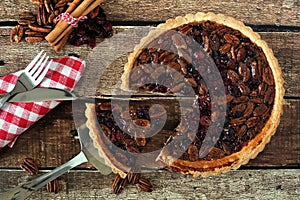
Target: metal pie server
[
  {"x": 43, "y": 94},
  {"x": 88, "y": 154}
]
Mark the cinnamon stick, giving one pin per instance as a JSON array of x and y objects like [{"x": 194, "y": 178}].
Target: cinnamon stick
[
  {"x": 62, "y": 42},
  {"x": 67, "y": 30},
  {"x": 62, "y": 25},
  {"x": 70, "y": 28},
  {"x": 92, "y": 7},
  {"x": 73, "y": 6}
]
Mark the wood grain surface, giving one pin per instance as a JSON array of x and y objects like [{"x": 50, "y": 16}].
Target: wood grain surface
[
  {"x": 286, "y": 47},
  {"x": 273, "y": 174},
  {"x": 260, "y": 12},
  {"x": 51, "y": 143},
  {"x": 241, "y": 184}
]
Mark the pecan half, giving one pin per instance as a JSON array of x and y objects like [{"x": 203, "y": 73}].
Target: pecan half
[
  {"x": 27, "y": 15},
  {"x": 140, "y": 139},
  {"x": 33, "y": 39},
  {"x": 29, "y": 165},
  {"x": 62, "y": 3},
  {"x": 179, "y": 41},
  {"x": 32, "y": 33},
  {"x": 142, "y": 122},
  {"x": 39, "y": 15},
  {"x": 51, "y": 18},
  {"x": 44, "y": 16},
  {"x": 225, "y": 48},
  {"x": 26, "y": 18},
  {"x": 48, "y": 6},
  {"x": 133, "y": 177},
  {"x": 16, "y": 34},
  {"x": 193, "y": 153},
  {"x": 144, "y": 185},
  {"x": 38, "y": 28},
  {"x": 185, "y": 29},
  {"x": 25, "y": 22},
  {"x": 53, "y": 186},
  {"x": 119, "y": 184},
  {"x": 231, "y": 39}
]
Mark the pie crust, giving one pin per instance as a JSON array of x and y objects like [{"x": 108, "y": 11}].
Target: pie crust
[
  {"x": 101, "y": 142},
  {"x": 202, "y": 167}
]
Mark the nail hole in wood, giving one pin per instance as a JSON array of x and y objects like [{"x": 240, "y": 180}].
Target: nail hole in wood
[
  {"x": 2, "y": 63},
  {"x": 74, "y": 54}
]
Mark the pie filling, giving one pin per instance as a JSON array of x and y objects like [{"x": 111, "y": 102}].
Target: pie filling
[{"x": 246, "y": 75}]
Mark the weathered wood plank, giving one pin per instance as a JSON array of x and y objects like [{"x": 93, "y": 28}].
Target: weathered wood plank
[
  {"x": 240, "y": 184},
  {"x": 50, "y": 141},
  {"x": 287, "y": 135},
  {"x": 285, "y": 46},
  {"x": 284, "y": 12}
]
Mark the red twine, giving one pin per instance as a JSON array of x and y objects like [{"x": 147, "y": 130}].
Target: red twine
[{"x": 69, "y": 19}]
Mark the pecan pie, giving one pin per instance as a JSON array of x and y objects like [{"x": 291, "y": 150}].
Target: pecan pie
[{"x": 190, "y": 47}]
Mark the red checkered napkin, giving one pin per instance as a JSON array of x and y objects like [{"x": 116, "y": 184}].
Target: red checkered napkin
[{"x": 15, "y": 118}]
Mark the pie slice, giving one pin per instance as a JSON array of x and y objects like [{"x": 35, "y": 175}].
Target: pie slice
[{"x": 189, "y": 57}]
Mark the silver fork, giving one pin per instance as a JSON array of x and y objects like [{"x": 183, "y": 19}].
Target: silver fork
[{"x": 30, "y": 77}]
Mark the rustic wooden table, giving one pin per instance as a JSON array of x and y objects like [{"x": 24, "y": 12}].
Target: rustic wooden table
[{"x": 274, "y": 174}]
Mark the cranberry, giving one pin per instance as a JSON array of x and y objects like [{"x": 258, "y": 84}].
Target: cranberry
[
  {"x": 89, "y": 29},
  {"x": 205, "y": 120}
]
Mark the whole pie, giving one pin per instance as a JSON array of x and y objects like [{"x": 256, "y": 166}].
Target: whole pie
[{"x": 217, "y": 131}]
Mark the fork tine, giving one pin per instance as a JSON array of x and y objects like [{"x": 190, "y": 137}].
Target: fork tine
[
  {"x": 40, "y": 67},
  {"x": 37, "y": 66},
  {"x": 42, "y": 75},
  {"x": 32, "y": 63}
]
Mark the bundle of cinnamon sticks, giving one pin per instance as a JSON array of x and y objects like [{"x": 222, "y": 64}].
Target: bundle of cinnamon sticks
[{"x": 60, "y": 34}]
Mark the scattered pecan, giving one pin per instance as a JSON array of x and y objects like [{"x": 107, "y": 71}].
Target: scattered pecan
[
  {"x": 39, "y": 15},
  {"x": 25, "y": 22},
  {"x": 51, "y": 18},
  {"x": 133, "y": 177},
  {"x": 48, "y": 6},
  {"x": 119, "y": 184},
  {"x": 62, "y": 3},
  {"x": 32, "y": 33},
  {"x": 53, "y": 186},
  {"x": 27, "y": 15},
  {"x": 33, "y": 39},
  {"x": 16, "y": 34},
  {"x": 144, "y": 185},
  {"x": 38, "y": 28},
  {"x": 44, "y": 16},
  {"x": 26, "y": 18},
  {"x": 30, "y": 166}
]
